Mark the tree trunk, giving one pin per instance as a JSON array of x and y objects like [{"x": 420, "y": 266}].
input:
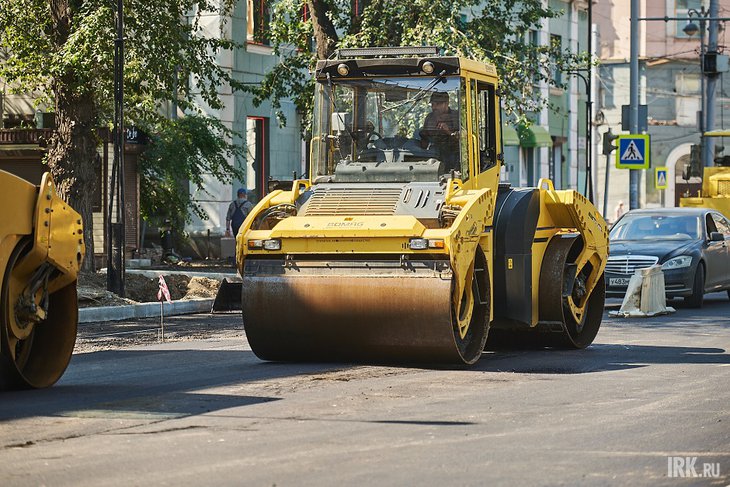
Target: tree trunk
[
  {"x": 72, "y": 150},
  {"x": 325, "y": 35},
  {"x": 72, "y": 157}
]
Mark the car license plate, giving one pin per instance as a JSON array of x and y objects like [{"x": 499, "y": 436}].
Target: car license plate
[{"x": 618, "y": 281}]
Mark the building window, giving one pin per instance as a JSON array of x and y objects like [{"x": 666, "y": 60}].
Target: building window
[
  {"x": 556, "y": 42},
  {"x": 258, "y": 18},
  {"x": 257, "y": 157},
  {"x": 687, "y": 101},
  {"x": 681, "y": 9}
]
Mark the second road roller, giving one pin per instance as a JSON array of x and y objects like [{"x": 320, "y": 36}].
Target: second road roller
[
  {"x": 401, "y": 245},
  {"x": 41, "y": 250}
]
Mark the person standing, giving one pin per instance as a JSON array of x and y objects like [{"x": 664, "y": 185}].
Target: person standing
[
  {"x": 618, "y": 213},
  {"x": 238, "y": 210}
]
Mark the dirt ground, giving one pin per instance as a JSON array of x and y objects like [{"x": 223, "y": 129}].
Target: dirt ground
[{"x": 140, "y": 289}]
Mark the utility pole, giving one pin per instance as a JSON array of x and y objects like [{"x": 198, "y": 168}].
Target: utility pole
[
  {"x": 708, "y": 145},
  {"x": 115, "y": 232},
  {"x": 634, "y": 174}
]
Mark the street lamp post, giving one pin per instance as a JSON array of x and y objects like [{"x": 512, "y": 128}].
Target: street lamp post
[
  {"x": 115, "y": 232},
  {"x": 707, "y": 80}
]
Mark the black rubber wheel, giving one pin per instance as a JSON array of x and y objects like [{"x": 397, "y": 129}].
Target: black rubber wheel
[
  {"x": 698, "y": 289},
  {"x": 40, "y": 358},
  {"x": 473, "y": 343},
  {"x": 728, "y": 293},
  {"x": 557, "y": 279}
]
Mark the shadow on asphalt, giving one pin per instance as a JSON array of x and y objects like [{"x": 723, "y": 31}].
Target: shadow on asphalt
[
  {"x": 597, "y": 358},
  {"x": 148, "y": 384}
]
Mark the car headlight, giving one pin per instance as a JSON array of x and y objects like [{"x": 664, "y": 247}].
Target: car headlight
[{"x": 677, "y": 263}]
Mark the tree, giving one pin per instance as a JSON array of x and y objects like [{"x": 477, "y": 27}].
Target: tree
[
  {"x": 497, "y": 31},
  {"x": 183, "y": 150},
  {"x": 64, "y": 50}
]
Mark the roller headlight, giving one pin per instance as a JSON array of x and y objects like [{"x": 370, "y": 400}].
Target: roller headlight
[
  {"x": 272, "y": 244},
  {"x": 677, "y": 263},
  {"x": 424, "y": 243}
]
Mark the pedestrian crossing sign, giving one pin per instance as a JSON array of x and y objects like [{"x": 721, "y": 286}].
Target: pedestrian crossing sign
[
  {"x": 633, "y": 151},
  {"x": 660, "y": 177}
]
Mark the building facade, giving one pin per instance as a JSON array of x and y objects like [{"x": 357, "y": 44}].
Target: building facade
[
  {"x": 670, "y": 87},
  {"x": 271, "y": 150},
  {"x": 555, "y": 145}
]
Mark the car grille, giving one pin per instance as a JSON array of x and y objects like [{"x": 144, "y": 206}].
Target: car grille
[
  {"x": 352, "y": 201},
  {"x": 627, "y": 264}
]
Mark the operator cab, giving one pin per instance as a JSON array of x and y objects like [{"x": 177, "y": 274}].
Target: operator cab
[{"x": 396, "y": 120}]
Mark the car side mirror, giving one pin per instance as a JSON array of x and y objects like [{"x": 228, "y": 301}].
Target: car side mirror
[{"x": 717, "y": 237}]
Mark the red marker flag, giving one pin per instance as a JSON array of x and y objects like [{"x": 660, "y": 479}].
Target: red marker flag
[{"x": 163, "y": 291}]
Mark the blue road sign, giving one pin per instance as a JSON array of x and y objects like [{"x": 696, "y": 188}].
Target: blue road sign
[
  {"x": 633, "y": 152},
  {"x": 660, "y": 177}
]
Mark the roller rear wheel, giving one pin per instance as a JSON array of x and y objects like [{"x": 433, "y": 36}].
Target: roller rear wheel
[
  {"x": 558, "y": 282},
  {"x": 34, "y": 355}
]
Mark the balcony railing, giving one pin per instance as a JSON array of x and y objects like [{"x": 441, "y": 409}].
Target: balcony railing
[{"x": 25, "y": 136}]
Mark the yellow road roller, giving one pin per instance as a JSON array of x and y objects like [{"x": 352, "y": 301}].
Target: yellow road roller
[
  {"x": 41, "y": 249},
  {"x": 401, "y": 245},
  {"x": 715, "y": 192}
]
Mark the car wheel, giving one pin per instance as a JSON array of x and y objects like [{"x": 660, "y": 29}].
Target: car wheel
[{"x": 698, "y": 288}]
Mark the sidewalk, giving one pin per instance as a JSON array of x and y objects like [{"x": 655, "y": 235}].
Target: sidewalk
[{"x": 151, "y": 310}]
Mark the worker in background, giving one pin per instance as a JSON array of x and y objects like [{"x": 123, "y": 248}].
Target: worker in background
[
  {"x": 238, "y": 210},
  {"x": 440, "y": 130},
  {"x": 619, "y": 211}
]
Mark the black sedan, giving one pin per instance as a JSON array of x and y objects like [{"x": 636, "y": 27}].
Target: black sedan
[{"x": 691, "y": 244}]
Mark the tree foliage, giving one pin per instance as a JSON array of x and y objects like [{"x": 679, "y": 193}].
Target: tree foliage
[
  {"x": 182, "y": 150},
  {"x": 496, "y": 31},
  {"x": 63, "y": 50}
]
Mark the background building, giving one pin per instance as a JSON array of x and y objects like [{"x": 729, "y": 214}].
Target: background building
[
  {"x": 670, "y": 75},
  {"x": 272, "y": 151},
  {"x": 554, "y": 146}
]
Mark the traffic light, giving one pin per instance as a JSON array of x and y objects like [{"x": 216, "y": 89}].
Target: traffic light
[
  {"x": 714, "y": 63},
  {"x": 608, "y": 145},
  {"x": 695, "y": 160}
]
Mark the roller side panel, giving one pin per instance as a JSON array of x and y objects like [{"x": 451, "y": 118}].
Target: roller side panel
[{"x": 517, "y": 212}]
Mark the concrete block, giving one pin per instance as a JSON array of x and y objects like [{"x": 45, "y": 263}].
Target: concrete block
[
  {"x": 138, "y": 263},
  {"x": 645, "y": 295},
  {"x": 228, "y": 247}
]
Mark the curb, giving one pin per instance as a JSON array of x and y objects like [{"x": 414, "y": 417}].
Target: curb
[
  {"x": 144, "y": 310},
  {"x": 156, "y": 273}
]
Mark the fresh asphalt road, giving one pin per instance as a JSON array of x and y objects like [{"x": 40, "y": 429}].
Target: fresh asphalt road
[{"x": 208, "y": 412}]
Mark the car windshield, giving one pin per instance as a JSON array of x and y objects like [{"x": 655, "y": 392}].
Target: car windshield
[
  {"x": 644, "y": 227},
  {"x": 388, "y": 130}
]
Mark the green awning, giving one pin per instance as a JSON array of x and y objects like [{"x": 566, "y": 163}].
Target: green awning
[
  {"x": 509, "y": 135},
  {"x": 534, "y": 136}
]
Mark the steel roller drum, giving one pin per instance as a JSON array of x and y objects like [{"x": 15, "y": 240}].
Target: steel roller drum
[{"x": 372, "y": 311}]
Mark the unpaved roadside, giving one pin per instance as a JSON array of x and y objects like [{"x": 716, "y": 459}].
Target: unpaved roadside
[{"x": 93, "y": 337}]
